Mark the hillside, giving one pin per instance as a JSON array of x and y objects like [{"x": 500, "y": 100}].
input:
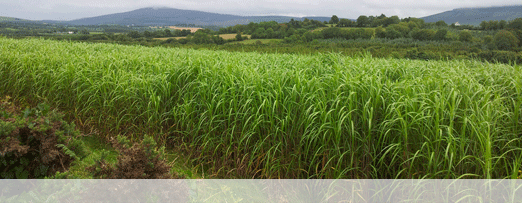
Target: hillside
[
  {"x": 473, "y": 16},
  {"x": 171, "y": 16},
  {"x": 11, "y": 19}
]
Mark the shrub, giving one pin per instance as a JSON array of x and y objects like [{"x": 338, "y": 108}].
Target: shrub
[
  {"x": 393, "y": 34},
  {"x": 440, "y": 34},
  {"x": 402, "y": 28},
  {"x": 501, "y": 56},
  {"x": 333, "y": 32},
  {"x": 137, "y": 161},
  {"x": 422, "y": 34},
  {"x": 488, "y": 39},
  {"x": 36, "y": 143},
  {"x": 465, "y": 36},
  {"x": 505, "y": 40},
  {"x": 380, "y": 32},
  {"x": 423, "y": 55}
]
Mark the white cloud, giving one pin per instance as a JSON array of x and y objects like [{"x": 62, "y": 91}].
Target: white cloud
[{"x": 67, "y": 9}]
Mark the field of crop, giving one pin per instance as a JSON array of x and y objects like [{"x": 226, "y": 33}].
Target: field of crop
[
  {"x": 224, "y": 36},
  {"x": 285, "y": 116},
  {"x": 254, "y": 41}
]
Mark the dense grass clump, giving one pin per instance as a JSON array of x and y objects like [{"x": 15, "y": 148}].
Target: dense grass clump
[{"x": 286, "y": 116}]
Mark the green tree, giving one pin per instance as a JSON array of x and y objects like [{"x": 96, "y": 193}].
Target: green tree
[
  {"x": 505, "y": 40},
  {"x": 393, "y": 34},
  {"x": 308, "y": 36},
  {"x": 391, "y": 20},
  {"x": 238, "y": 37},
  {"x": 270, "y": 33},
  {"x": 158, "y": 33},
  {"x": 147, "y": 34},
  {"x": 488, "y": 40},
  {"x": 492, "y": 25},
  {"x": 441, "y": 23},
  {"x": 502, "y": 24},
  {"x": 484, "y": 25},
  {"x": 515, "y": 24},
  {"x": 334, "y": 20},
  {"x": 134, "y": 34},
  {"x": 422, "y": 34},
  {"x": 218, "y": 40},
  {"x": 440, "y": 35},
  {"x": 465, "y": 36},
  {"x": 168, "y": 33},
  {"x": 401, "y": 27},
  {"x": 345, "y": 23},
  {"x": 412, "y": 25},
  {"x": 260, "y": 33},
  {"x": 201, "y": 37},
  {"x": 380, "y": 32},
  {"x": 84, "y": 32},
  {"x": 362, "y": 21},
  {"x": 332, "y": 32}
]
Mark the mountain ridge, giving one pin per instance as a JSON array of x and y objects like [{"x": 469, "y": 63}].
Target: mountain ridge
[
  {"x": 172, "y": 16},
  {"x": 162, "y": 16},
  {"x": 475, "y": 15}
]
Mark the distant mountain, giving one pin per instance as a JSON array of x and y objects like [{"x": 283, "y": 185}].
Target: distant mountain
[
  {"x": 10, "y": 19},
  {"x": 19, "y": 20},
  {"x": 171, "y": 16},
  {"x": 474, "y": 16}
]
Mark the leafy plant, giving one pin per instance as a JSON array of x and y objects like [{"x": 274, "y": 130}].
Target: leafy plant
[{"x": 287, "y": 115}]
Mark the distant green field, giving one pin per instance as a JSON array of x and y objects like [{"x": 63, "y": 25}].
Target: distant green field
[{"x": 252, "y": 115}]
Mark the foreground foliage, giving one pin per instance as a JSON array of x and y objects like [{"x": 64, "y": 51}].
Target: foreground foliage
[
  {"x": 37, "y": 143},
  {"x": 286, "y": 116}
]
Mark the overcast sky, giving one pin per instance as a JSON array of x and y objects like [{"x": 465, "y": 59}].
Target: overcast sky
[{"x": 73, "y": 9}]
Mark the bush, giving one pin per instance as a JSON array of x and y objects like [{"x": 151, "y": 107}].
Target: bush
[
  {"x": 422, "y": 34},
  {"x": 505, "y": 40},
  {"x": 380, "y": 32},
  {"x": 423, "y": 55},
  {"x": 488, "y": 39},
  {"x": 402, "y": 28},
  {"x": 465, "y": 36},
  {"x": 393, "y": 34},
  {"x": 137, "y": 161},
  {"x": 440, "y": 34},
  {"x": 36, "y": 143},
  {"x": 501, "y": 56},
  {"x": 333, "y": 32}
]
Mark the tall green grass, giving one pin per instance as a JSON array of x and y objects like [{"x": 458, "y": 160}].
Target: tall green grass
[{"x": 286, "y": 116}]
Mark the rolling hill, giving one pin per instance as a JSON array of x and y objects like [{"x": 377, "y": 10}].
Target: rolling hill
[
  {"x": 171, "y": 16},
  {"x": 11, "y": 19},
  {"x": 473, "y": 16}
]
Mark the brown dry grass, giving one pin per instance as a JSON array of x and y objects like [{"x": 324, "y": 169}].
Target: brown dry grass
[
  {"x": 224, "y": 36},
  {"x": 192, "y": 29}
]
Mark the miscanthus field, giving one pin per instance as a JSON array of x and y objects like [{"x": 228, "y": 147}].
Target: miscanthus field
[{"x": 250, "y": 115}]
